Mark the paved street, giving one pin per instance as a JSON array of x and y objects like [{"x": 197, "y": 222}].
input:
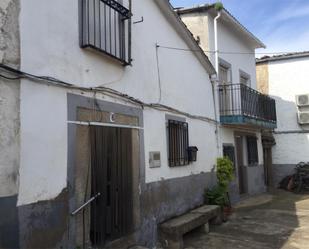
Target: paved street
[{"x": 280, "y": 220}]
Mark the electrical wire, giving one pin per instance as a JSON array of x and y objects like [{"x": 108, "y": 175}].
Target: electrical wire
[
  {"x": 223, "y": 52},
  {"x": 101, "y": 89}
]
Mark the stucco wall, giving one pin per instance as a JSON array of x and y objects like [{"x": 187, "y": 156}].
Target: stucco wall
[
  {"x": 184, "y": 85},
  {"x": 262, "y": 78},
  {"x": 240, "y": 54},
  {"x": 286, "y": 79},
  {"x": 197, "y": 23},
  {"x": 9, "y": 125},
  {"x": 202, "y": 24},
  {"x": 9, "y": 99}
]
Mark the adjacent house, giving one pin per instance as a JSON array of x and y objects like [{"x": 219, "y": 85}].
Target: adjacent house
[
  {"x": 243, "y": 111},
  {"x": 285, "y": 78},
  {"x": 100, "y": 125},
  {"x": 113, "y": 117}
]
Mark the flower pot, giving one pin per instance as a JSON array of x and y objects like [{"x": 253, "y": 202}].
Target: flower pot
[{"x": 227, "y": 211}]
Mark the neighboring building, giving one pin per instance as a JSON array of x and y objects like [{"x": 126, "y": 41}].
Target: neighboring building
[
  {"x": 243, "y": 111},
  {"x": 285, "y": 78},
  {"x": 81, "y": 119}
]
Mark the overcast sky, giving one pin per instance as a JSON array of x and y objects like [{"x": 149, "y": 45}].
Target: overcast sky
[{"x": 283, "y": 25}]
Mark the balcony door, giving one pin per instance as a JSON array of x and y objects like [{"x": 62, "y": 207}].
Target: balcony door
[{"x": 225, "y": 80}]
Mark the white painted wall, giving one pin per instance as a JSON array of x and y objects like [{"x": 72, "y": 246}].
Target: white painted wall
[
  {"x": 202, "y": 24},
  {"x": 53, "y": 28},
  {"x": 288, "y": 78},
  {"x": 229, "y": 41}
]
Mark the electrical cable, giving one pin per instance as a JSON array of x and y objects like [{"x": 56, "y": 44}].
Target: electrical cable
[
  {"x": 222, "y": 52},
  {"x": 103, "y": 90}
]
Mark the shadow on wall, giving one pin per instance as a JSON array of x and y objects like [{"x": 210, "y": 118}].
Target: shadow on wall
[{"x": 292, "y": 141}]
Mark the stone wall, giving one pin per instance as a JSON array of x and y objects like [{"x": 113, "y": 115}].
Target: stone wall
[
  {"x": 262, "y": 77},
  {"x": 9, "y": 125}
]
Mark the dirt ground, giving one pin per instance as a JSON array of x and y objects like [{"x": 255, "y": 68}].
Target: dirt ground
[{"x": 276, "y": 220}]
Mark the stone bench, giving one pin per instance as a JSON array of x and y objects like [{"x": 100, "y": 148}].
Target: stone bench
[{"x": 171, "y": 232}]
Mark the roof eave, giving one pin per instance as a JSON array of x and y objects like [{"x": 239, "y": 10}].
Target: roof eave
[
  {"x": 283, "y": 57},
  {"x": 183, "y": 31},
  {"x": 257, "y": 43}
]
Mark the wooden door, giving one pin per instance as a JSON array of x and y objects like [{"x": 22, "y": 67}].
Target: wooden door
[
  {"x": 111, "y": 176},
  {"x": 240, "y": 164},
  {"x": 267, "y": 154}
]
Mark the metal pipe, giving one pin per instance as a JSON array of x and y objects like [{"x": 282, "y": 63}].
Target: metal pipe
[
  {"x": 105, "y": 124},
  {"x": 214, "y": 84},
  {"x": 85, "y": 204},
  {"x": 216, "y": 42}
]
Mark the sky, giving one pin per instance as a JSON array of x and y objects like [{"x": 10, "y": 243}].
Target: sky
[{"x": 282, "y": 25}]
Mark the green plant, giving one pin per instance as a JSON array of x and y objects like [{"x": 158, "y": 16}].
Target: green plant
[
  {"x": 216, "y": 196},
  {"x": 218, "y": 6},
  {"x": 225, "y": 172}
]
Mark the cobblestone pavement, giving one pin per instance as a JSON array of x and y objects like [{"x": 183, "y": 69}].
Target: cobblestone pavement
[{"x": 281, "y": 222}]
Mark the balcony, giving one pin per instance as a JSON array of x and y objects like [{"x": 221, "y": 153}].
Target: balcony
[
  {"x": 105, "y": 27},
  {"x": 242, "y": 105}
]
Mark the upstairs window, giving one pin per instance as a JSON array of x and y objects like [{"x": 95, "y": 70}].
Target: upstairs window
[
  {"x": 225, "y": 72},
  {"x": 105, "y": 27},
  {"x": 252, "y": 150},
  {"x": 178, "y": 143},
  {"x": 244, "y": 78}
]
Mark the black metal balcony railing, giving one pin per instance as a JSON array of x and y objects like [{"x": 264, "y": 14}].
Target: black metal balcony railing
[
  {"x": 241, "y": 100},
  {"x": 105, "y": 27}
]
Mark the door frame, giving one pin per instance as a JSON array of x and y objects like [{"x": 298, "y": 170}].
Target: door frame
[
  {"x": 242, "y": 134},
  {"x": 75, "y": 102},
  {"x": 241, "y": 176}
]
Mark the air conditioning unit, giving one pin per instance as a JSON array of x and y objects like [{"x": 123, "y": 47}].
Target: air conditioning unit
[
  {"x": 302, "y": 100},
  {"x": 303, "y": 117}
]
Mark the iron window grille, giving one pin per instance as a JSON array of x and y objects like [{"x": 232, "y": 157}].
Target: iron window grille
[
  {"x": 252, "y": 150},
  {"x": 178, "y": 143},
  {"x": 229, "y": 152},
  {"x": 106, "y": 27}
]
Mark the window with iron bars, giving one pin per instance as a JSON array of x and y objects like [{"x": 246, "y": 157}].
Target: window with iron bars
[
  {"x": 229, "y": 151},
  {"x": 252, "y": 150},
  {"x": 105, "y": 27},
  {"x": 178, "y": 143}
]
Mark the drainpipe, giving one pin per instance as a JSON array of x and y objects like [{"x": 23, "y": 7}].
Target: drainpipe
[
  {"x": 216, "y": 43},
  {"x": 214, "y": 81}
]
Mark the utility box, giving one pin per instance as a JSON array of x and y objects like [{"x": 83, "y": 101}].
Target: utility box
[
  {"x": 192, "y": 152},
  {"x": 154, "y": 159}
]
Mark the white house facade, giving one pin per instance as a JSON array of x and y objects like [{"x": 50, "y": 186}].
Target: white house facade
[
  {"x": 94, "y": 108},
  {"x": 285, "y": 78},
  {"x": 242, "y": 110}
]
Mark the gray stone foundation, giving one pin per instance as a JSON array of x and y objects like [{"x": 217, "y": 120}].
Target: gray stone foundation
[
  {"x": 169, "y": 198},
  {"x": 279, "y": 171}
]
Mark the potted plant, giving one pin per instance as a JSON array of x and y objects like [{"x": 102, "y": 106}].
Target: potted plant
[{"x": 218, "y": 195}]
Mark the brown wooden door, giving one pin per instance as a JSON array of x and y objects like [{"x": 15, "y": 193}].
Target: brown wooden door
[
  {"x": 240, "y": 164},
  {"x": 111, "y": 176},
  {"x": 267, "y": 166}
]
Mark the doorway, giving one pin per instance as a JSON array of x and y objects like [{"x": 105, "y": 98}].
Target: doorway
[
  {"x": 111, "y": 176},
  {"x": 240, "y": 164}
]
